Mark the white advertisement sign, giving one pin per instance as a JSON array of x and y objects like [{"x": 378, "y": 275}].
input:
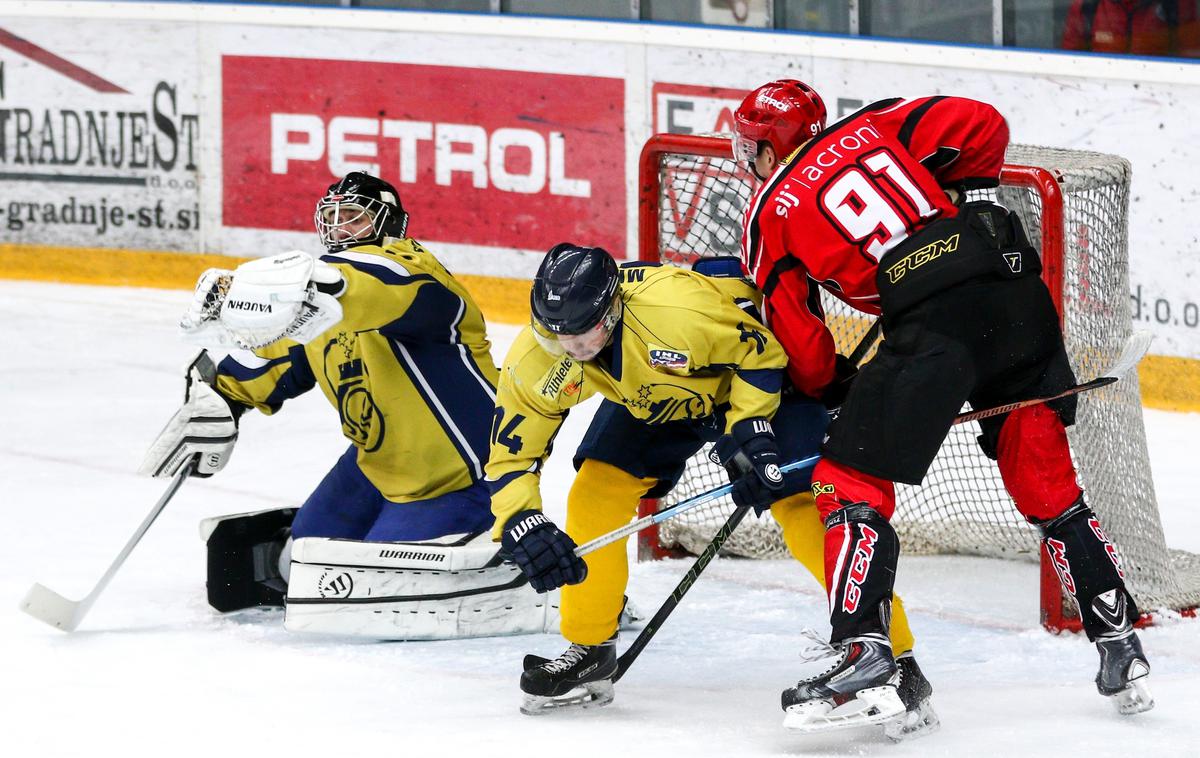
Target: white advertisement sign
[{"x": 100, "y": 135}]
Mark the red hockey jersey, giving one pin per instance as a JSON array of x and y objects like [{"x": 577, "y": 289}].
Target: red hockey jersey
[{"x": 847, "y": 197}]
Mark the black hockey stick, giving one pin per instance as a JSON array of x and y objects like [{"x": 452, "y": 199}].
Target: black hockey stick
[
  {"x": 627, "y": 658},
  {"x": 866, "y": 343}
]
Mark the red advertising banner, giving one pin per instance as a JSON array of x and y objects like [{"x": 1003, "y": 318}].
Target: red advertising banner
[{"x": 479, "y": 156}]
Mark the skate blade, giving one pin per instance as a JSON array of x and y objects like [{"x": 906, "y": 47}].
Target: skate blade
[
  {"x": 918, "y": 722},
  {"x": 1135, "y": 698},
  {"x": 874, "y": 705},
  {"x": 590, "y": 695}
]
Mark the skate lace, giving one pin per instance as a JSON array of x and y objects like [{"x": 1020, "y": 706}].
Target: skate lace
[
  {"x": 813, "y": 647},
  {"x": 572, "y": 656},
  {"x": 817, "y": 657}
]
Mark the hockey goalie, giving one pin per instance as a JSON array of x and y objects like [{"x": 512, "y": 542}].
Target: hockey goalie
[{"x": 393, "y": 543}]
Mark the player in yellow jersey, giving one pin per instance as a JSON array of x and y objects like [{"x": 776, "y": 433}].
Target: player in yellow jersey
[
  {"x": 681, "y": 359},
  {"x": 399, "y": 348}
]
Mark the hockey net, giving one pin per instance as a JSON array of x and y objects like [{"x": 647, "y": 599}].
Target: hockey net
[{"x": 1074, "y": 205}]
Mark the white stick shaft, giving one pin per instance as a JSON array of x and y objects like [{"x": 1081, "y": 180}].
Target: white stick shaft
[
  {"x": 678, "y": 508},
  {"x": 47, "y": 605}
]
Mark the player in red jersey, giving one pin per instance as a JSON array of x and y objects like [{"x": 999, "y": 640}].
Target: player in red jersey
[{"x": 872, "y": 210}]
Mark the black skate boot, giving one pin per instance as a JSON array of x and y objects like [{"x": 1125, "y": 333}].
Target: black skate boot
[
  {"x": 1124, "y": 672},
  {"x": 579, "y": 678},
  {"x": 915, "y": 691},
  {"x": 857, "y": 687}
]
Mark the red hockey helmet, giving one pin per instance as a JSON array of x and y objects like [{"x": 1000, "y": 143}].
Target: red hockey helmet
[{"x": 783, "y": 113}]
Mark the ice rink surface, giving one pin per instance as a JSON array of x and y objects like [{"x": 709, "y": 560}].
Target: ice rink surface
[{"x": 91, "y": 374}]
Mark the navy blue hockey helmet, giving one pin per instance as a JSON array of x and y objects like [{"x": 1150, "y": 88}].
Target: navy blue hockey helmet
[
  {"x": 359, "y": 209},
  {"x": 574, "y": 289}
]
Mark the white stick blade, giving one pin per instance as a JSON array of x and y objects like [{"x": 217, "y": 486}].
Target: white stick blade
[
  {"x": 1131, "y": 354},
  {"x": 44, "y": 604}
]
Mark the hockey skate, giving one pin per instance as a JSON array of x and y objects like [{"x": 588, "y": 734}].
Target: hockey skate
[
  {"x": 856, "y": 685},
  {"x": 915, "y": 691},
  {"x": 579, "y": 678},
  {"x": 1124, "y": 672}
]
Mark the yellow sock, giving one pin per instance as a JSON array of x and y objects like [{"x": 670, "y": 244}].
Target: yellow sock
[
  {"x": 602, "y": 498},
  {"x": 804, "y": 535}
]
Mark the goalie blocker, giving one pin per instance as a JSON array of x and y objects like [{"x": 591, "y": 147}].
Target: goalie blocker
[{"x": 451, "y": 587}]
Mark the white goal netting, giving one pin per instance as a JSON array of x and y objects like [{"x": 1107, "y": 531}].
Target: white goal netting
[{"x": 1077, "y": 216}]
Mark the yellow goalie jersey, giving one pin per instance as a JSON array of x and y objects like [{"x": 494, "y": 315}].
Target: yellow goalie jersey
[
  {"x": 686, "y": 345},
  {"x": 408, "y": 369}
]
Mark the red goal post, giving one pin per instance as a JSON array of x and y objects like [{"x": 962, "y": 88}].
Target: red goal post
[{"x": 1075, "y": 206}]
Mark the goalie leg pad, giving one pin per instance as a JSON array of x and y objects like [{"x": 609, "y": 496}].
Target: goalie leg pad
[
  {"x": 243, "y": 558},
  {"x": 450, "y": 588}
]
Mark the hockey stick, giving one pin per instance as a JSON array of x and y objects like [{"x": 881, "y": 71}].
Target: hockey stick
[
  {"x": 44, "y": 604},
  {"x": 626, "y": 659},
  {"x": 1135, "y": 347},
  {"x": 866, "y": 343},
  {"x": 686, "y": 505}
]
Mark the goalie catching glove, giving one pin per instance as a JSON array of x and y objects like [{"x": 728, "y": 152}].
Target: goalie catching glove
[
  {"x": 750, "y": 456},
  {"x": 290, "y": 295},
  {"x": 544, "y": 553},
  {"x": 205, "y": 427}
]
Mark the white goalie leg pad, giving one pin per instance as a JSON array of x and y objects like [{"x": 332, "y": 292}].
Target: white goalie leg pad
[{"x": 451, "y": 588}]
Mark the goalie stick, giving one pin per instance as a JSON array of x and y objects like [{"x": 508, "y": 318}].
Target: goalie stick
[{"x": 44, "y": 604}]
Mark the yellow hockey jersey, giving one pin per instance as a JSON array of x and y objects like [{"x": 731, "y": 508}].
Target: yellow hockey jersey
[
  {"x": 408, "y": 369},
  {"x": 686, "y": 344}
]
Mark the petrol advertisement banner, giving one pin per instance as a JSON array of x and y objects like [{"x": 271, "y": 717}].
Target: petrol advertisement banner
[{"x": 481, "y": 157}]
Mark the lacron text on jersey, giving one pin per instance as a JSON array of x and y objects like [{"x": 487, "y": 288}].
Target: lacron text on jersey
[{"x": 816, "y": 164}]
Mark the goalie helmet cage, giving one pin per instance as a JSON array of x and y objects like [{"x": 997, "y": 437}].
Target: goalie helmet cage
[{"x": 1075, "y": 207}]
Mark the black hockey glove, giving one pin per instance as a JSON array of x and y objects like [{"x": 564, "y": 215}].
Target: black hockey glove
[
  {"x": 544, "y": 554},
  {"x": 751, "y": 458},
  {"x": 835, "y": 393}
]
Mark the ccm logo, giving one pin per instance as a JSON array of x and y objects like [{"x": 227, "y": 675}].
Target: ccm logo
[
  {"x": 457, "y": 149},
  {"x": 859, "y": 565}
]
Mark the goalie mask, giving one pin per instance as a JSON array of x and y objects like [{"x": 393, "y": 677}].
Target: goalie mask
[
  {"x": 359, "y": 210},
  {"x": 784, "y": 113},
  {"x": 575, "y": 302}
]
